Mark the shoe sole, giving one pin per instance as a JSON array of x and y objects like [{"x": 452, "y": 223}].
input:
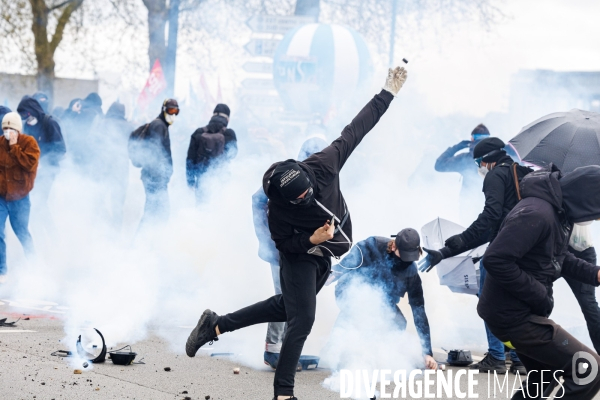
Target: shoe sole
[{"x": 191, "y": 347}]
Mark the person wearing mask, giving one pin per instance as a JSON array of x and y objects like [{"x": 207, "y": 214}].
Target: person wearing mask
[
  {"x": 19, "y": 156},
  {"x": 454, "y": 159},
  {"x": 42, "y": 98},
  {"x": 529, "y": 253},
  {"x": 581, "y": 246},
  {"x": 150, "y": 149},
  {"x": 111, "y": 165},
  {"x": 500, "y": 187},
  {"x": 210, "y": 145},
  {"x": 309, "y": 223},
  {"x": 46, "y": 131},
  {"x": 267, "y": 251},
  {"x": 388, "y": 265}
]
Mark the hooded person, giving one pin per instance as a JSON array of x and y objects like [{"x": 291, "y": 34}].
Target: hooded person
[
  {"x": 210, "y": 145},
  {"x": 19, "y": 156},
  {"x": 3, "y": 111},
  {"x": 501, "y": 179},
  {"x": 309, "y": 223},
  {"x": 454, "y": 159},
  {"x": 47, "y": 132},
  {"x": 528, "y": 255},
  {"x": 155, "y": 159},
  {"x": 389, "y": 266},
  {"x": 111, "y": 167},
  {"x": 267, "y": 251},
  {"x": 42, "y": 98}
]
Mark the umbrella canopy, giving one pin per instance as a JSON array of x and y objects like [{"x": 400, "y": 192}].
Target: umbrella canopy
[
  {"x": 567, "y": 139},
  {"x": 458, "y": 273}
]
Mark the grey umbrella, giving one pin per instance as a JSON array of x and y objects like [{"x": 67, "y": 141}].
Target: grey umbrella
[{"x": 567, "y": 139}]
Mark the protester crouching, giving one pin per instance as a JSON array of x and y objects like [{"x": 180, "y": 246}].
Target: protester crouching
[
  {"x": 528, "y": 255},
  {"x": 149, "y": 148},
  {"x": 389, "y": 266},
  {"x": 19, "y": 157},
  {"x": 210, "y": 145}
]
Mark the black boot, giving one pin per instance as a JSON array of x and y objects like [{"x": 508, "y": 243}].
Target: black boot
[{"x": 490, "y": 364}]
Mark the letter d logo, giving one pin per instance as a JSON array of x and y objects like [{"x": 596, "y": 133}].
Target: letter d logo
[{"x": 578, "y": 370}]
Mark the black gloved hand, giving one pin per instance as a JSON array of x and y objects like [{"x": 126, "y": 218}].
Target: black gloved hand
[
  {"x": 433, "y": 258},
  {"x": 455, "y": 242}
]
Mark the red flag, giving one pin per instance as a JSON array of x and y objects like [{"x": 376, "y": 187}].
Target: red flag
[{"x": 155, "y": 84}]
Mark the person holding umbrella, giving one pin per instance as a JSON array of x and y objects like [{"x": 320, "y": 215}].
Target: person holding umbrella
[
  {"x": 501, "y": 190},
  {"x": 309, "y": 222},
  {"x": 529, "y": 253}
]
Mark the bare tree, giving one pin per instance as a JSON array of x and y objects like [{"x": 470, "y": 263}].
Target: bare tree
[{"x": 16, "y": 15}]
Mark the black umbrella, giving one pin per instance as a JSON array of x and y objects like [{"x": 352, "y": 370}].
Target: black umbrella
[{"x": 567, "y": 139}]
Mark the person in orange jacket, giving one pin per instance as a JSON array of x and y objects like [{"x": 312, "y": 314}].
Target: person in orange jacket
[{"x": 19, "y": 157}]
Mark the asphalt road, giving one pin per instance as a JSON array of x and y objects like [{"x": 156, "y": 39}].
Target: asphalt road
[{"x": 29, "y": 371}]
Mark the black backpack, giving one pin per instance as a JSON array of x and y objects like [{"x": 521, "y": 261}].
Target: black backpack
[
  {"x": 212, "y": 145},
  {"x": 135, "y": 145}
]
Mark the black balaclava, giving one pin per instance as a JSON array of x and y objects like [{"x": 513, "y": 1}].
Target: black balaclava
[
  {"x": 290, "y": 179},
  {"x": 491, "y": 149},
  {"x": 581, "y": 193}
]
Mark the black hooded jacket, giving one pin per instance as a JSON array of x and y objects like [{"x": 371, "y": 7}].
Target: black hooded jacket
[
  {"x": 291, "y": 225},
  {"x": 47, "y": 132},
  {"x": 500, "y": 197},
  {"x": 531, "y": 249},
  {"x": 158, "y": 165}
]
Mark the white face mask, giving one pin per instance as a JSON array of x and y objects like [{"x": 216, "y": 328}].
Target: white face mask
[
  {"x": 170, "y": 118},
  {"x": 7, "y": 133},
  {"x": 31, "y": 121},
  {"x": 482, "y": 171}
]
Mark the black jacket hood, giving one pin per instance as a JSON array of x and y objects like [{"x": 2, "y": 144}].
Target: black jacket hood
[
  {"x": 3, "y": 112},
  {"x": 577, "y": 194},
  {"x": 581, "y": 194},
  {"x": 544, "y": 184},
  {"x": 29, "y": 105},
  {"x": 273, "y": 193}
]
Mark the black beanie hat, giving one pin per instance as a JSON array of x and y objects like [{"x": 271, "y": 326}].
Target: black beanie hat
[
  {"x": 222, "y": 109},
  {"x": 290, "y": 179},
  {"x": 491, "y": 149}
]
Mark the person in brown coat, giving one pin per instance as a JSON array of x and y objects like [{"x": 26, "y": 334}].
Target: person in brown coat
[{"x": 19, "y": 157}]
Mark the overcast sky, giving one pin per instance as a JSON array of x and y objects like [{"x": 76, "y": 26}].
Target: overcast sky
[{"x": 469, "y": 72}]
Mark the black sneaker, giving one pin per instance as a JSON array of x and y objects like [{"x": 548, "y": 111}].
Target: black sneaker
[
  {"x": 490, "y": 364},
  {"x": 518, "y": 366},
  {"x": 203, "y": 332},
  {"x": 289, "y": 398}
]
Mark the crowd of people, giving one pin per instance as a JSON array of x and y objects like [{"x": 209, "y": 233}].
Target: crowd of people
[
  {"x": 536, "y": 224},
  {"x": 100, "y": 147},
  {"x": 534, "y": 221}
]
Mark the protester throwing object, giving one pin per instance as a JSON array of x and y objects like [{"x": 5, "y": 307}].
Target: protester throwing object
[
  {"x": 19, "y": 157},
  {"x": 528, "y": 255},
  {"x": 390, "y": 266},
  {"x": 309, "y": 222},
  {"x": 268, "y": 252}
]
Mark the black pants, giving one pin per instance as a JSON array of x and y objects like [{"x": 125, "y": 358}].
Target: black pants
[
  {"x": 542, "y": 345},
  {"x": 302, "y": 277},
  {"x": 586, "y": 297}
]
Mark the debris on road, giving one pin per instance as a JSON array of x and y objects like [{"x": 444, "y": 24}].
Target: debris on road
[
  {"x": 77, "y": 371},
  {"x": 236, "y": 371},
  {"x": 100, "y": 358},
  {"x": 167, "y": 369},
  {"x": 8, "y": 324}
]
